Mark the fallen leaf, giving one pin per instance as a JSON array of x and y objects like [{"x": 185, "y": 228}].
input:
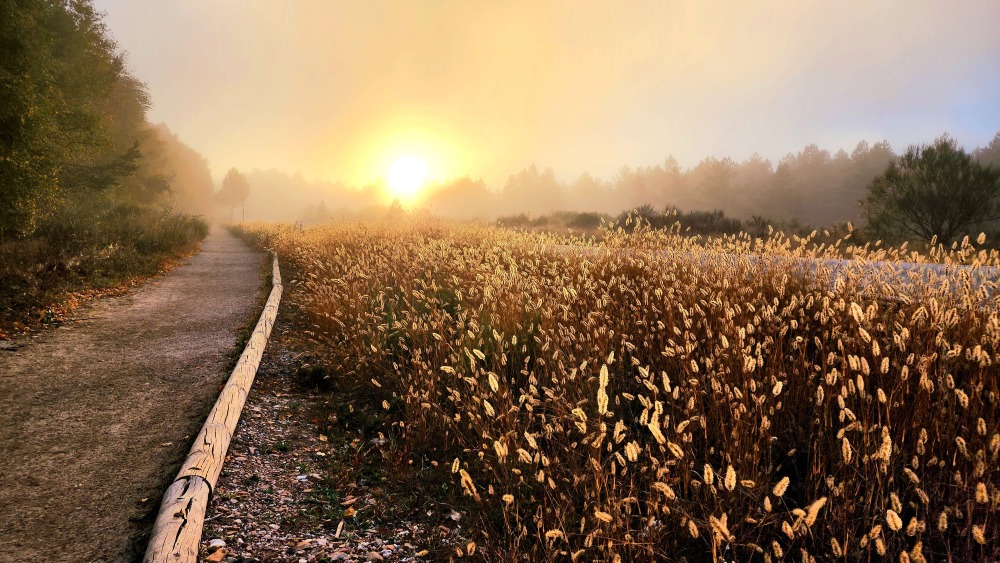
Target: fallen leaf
[
  {"x": 349, "y": 501},
  {"x": 217, "y": 555},
  {"x": 349, "y": 512}
]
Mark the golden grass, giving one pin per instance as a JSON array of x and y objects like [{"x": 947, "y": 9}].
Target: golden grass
[{"x": 634, "y": 400}]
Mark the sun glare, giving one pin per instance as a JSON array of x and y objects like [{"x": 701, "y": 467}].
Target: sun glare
[{"x": 407, "y": 175}]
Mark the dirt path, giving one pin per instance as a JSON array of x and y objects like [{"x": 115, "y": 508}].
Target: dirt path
[{"x": 96, "y": 417}]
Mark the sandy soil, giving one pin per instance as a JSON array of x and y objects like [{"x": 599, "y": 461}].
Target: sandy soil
[{"x": 96, "y": 417}]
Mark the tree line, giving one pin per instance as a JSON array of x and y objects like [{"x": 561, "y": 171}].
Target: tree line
[
  {"x": 74, "y": 136},
  {"x": 91, "y": 192},
  {"x": 813, "y": 186},
  {"x": 810, "y": 188}
]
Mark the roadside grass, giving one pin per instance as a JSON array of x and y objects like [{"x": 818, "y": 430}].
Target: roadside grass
[{"x": 81, "y": 255}]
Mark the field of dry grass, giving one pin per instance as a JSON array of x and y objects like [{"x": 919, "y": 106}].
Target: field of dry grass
[{"x": 633, "y": 400}]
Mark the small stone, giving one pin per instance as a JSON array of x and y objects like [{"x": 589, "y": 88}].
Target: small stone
[
  {"x": 374, "y": 556},
  {"x": 386, "y": 553},
  {"x": 322, "y": 541},
  {"x": 216, "y": 544},
  {"x": 339, "y": 556}
]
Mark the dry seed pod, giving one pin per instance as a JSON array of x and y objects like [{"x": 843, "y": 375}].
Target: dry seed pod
[
  {"x": 730, "y": 478},
  {"x": 982, "y": 497},
  {"x": 779, "y": 489},
  {"x": 835, "y": 547},
  {"x": 603, "y": 516},
  {"x": 892, "y": 518},
  {"x": 813, "y": 511}
]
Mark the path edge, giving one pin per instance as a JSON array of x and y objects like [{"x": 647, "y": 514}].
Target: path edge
[{"x": 177, "y": 531}]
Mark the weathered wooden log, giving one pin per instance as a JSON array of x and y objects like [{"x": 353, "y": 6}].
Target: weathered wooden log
[{"x": 177, "y": 531}]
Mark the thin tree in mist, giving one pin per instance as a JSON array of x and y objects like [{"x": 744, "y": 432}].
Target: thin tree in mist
[{"x": 235, "y": 190}]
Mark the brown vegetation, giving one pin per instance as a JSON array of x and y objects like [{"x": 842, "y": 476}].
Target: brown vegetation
[{"x": 634, "y": 400}]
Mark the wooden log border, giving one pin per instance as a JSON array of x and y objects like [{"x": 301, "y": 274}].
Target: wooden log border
[{"x": 177, "y": 531}]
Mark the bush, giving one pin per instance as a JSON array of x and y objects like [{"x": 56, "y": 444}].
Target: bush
[
  {"x": 514, "y": 221},
  {"x": 586, "y": 220},
  {"x": 89, "y": 247}
]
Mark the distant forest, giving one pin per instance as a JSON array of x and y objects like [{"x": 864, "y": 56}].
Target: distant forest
[{"x": 813, "y": 186}]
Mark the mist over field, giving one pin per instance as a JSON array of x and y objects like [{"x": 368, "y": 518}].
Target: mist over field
[{"x": 533, "y": 107}]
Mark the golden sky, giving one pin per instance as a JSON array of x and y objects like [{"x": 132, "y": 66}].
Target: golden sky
[{"x": 339, "y": 90}]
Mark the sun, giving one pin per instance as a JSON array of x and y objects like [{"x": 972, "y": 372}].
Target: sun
[{"x": 407, "y": 175}]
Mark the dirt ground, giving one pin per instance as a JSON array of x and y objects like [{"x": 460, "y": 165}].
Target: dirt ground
[
  {"x": 291, "y": 491},
  {"x": 96, "y": 416}
]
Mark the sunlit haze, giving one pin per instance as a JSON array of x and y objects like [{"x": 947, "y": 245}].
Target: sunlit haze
[
  {"x": 406, "y": 176},
  {"x": 336, "y": 91}
]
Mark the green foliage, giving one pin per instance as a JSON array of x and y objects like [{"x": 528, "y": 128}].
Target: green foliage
[
  {"x": 85, "y": 182},
  {"x": 935, "y": 190},
  {"x": 73, "y": 127}
]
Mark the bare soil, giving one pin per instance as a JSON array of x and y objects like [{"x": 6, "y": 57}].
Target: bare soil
[
  {"x": 96, "y": 416},
  {"x": 292, "y": 490}
]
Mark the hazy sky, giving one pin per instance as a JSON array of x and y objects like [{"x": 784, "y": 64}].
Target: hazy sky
[{"x": 338, "y": 90}]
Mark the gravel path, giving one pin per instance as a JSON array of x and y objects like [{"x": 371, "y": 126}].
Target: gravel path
[{"x": 96, "y": 418}]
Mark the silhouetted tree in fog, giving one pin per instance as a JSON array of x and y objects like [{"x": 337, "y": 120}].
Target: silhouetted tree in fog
[{"x": 235, "y": 190}]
